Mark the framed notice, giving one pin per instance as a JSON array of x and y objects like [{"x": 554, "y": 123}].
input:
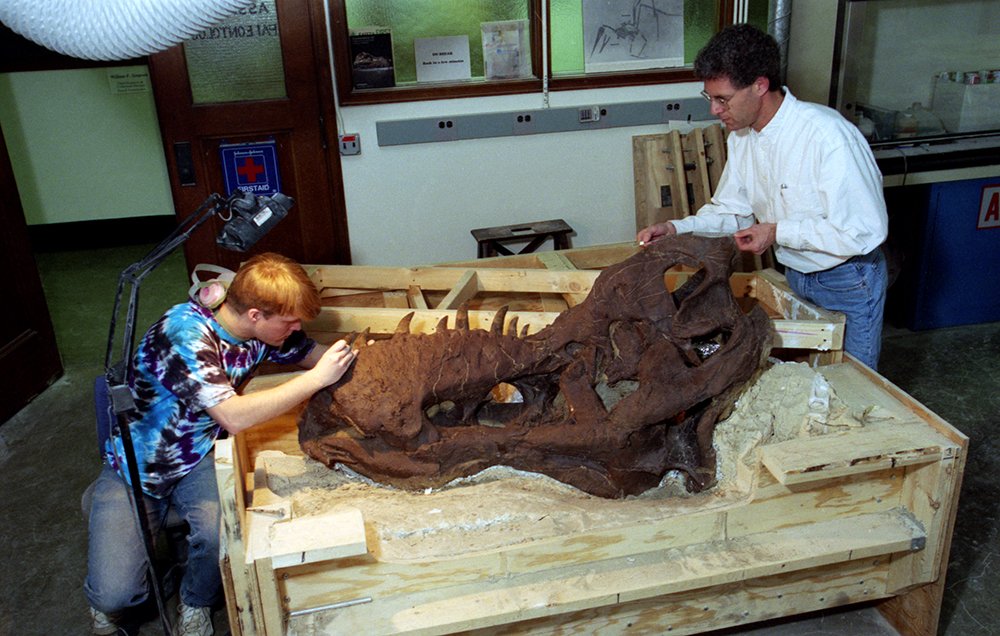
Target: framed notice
[
  {"x": 623, "y": 35},
  {"x": 442, "y": 59},
  {"x": 506, "y": 51}
]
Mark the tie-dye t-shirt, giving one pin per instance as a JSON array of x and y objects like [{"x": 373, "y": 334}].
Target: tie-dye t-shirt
[{"x": 185, "y": 364}]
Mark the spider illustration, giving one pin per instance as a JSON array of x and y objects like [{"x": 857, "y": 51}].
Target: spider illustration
[{"x": 629, "y": 30}]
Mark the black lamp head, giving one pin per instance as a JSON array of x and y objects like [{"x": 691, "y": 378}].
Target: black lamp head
[{"x": 251, "y": 217}]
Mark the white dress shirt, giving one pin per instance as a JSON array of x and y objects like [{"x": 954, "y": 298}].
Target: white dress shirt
[{"x": 810, "y": 172}]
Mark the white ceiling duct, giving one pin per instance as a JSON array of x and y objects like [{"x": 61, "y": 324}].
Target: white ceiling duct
[{"x": 114, "y": 29}]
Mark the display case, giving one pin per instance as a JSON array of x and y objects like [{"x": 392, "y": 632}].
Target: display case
[{"x": 908, "y": 70}]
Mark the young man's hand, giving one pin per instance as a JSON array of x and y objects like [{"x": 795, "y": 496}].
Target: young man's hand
[{"x": 334, "y": 363}]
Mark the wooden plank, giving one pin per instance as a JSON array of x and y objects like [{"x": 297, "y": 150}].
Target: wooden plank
[
  {"x": 803, "y": 460},
  {"x": 343, "y": 320},
  {"x": 677, "y": 170},
  {"x": 926, "y": 488},
  {"x": 396, "y": 298},
  {"x": 498, "y": 598},
  {"x": 772, "y": 289},
  {"x": 774, "y": 505},
  {"x": 239, "y": 584},
  {"x": 359, "y": 277},
  {"x": 464, "y": 289},
  {"x": 646, "y": 179},
  {"x": 806, "y": 334},
  {"x": 556, "y": 261},
  {"x": 876, "y": 383},
  {"x": 274, "y": 620},
  {"x": 714, "y": 608},
  {"x": 934, "y": 497},
  {"x": 531, "y": 559},
  {"x": 715, "y": 151},
  {"x": 593, "y": 257},
  {"x": 415, "y": 295},
  {"x": 694, "y": 143},
  {"x": 332, "y": 535},
  {"x": 560, "y": 262}
]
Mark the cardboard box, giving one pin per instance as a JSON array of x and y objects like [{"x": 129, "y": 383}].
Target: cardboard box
[{"x": 967, "y": 107}]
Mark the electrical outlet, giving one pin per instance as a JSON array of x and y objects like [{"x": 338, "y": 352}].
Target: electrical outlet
[
  {"x": 523, "y": 124},
  {"x": 350, "y": 144},
  {"x": 589, "y": 114}
]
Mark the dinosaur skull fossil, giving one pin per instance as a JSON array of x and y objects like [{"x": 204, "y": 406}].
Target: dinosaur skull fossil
[{"x": 617, "y": 391}]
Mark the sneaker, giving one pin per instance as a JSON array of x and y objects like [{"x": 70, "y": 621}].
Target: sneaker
[
  {"x": 103, "y": 624},
  {"x": 194, "y": 621}
]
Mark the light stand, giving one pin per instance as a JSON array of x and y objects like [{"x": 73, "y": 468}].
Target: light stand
[{"x": 249, "y": 218}]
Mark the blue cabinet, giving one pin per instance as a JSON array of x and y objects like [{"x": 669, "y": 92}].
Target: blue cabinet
[{"x": 950, "y": 272}]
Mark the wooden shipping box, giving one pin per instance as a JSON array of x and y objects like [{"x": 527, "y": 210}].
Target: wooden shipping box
[
  {"x": 860, "y": 515},
  {"x": 536, "y": 288}
]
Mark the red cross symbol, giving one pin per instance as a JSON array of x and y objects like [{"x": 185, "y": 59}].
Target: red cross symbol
[{"x": 249, "y": 170}]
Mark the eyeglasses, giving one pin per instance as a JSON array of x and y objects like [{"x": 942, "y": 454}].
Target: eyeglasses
[{"x": 723, "y": 102}]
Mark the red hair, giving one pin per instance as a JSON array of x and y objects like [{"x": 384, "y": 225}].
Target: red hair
[{"x": 274, "y": 284}]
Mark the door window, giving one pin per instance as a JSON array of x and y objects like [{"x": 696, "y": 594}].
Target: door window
[{"x": 238, "y": 60}]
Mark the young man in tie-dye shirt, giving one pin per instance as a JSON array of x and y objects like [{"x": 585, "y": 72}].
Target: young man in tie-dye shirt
[{"x": 186, "y": 372}]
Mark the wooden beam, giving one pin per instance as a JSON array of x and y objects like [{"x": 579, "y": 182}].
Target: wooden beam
[
  {"x": 464, "y": 289},
  {"x": 341, "y": 320},
  {"x": 358, "y": 278},
  {"x": 416, "y": 297},
  {"x": 396, "y": 298},
  {"x": 558, "y": 261}
]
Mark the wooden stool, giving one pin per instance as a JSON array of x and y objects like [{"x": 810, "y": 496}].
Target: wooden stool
[{"x": 491, "y": 239}]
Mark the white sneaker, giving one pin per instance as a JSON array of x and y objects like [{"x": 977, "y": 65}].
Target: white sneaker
[
  {"x": 194, "y": 621},
  {"x": 102, "y": 624}
]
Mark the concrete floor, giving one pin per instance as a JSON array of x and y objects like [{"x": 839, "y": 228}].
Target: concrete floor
[{"x": 48, "y": 457}]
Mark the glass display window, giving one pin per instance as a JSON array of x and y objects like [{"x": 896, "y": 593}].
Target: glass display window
[{"x": 906, "y": 70}]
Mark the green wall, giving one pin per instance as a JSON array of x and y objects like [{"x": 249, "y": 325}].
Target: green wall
[{"x": 80, "y": 150}]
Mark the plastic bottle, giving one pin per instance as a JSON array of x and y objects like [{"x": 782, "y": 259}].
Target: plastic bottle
[
  {"x": 906, "y": 123},
  {"x": 867, "y": 127},
  {"x": 927, "y": 122}
]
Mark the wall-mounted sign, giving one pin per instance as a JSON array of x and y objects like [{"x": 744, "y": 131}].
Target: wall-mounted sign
[
  {"x": 251, "y": 167},
  {"x": 442, "y": 59},
  {"x": 989, "y": 207},
  {"x": 128, "y": 80}
]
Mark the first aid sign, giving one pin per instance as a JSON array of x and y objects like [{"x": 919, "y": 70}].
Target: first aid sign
[{"x": 989, "y": 207}]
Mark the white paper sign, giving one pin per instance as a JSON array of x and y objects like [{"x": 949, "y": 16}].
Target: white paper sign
[
  {"x": 442, "y": 59},
  {"x": 124, "y": 81}
]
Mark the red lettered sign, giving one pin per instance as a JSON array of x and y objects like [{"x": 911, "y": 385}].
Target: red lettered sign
[{"x": 989, "y": 207}]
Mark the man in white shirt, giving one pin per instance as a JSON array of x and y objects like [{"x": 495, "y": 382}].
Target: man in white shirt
[{"x": 798, "y": 177}]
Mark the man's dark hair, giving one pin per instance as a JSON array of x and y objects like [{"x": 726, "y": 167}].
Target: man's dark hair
[{"x": 740, "y": 53}]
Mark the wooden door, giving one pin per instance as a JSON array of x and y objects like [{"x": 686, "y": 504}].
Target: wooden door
[
  {"x": 29, "y": 358},
  {"x": 315, "y": 230}
]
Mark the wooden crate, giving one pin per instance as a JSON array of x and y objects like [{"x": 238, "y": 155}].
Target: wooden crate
[
  {"x": 536, "y": 288},
  {"x": 863, "y": 515},
  {"x": 676, "y": 174},
  {"x": 816, "y": 522}
]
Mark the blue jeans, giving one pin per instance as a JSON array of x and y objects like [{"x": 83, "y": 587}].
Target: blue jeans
[
  {"x": 116, "y": 560},
  {"x": 855, "y": 288}
]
